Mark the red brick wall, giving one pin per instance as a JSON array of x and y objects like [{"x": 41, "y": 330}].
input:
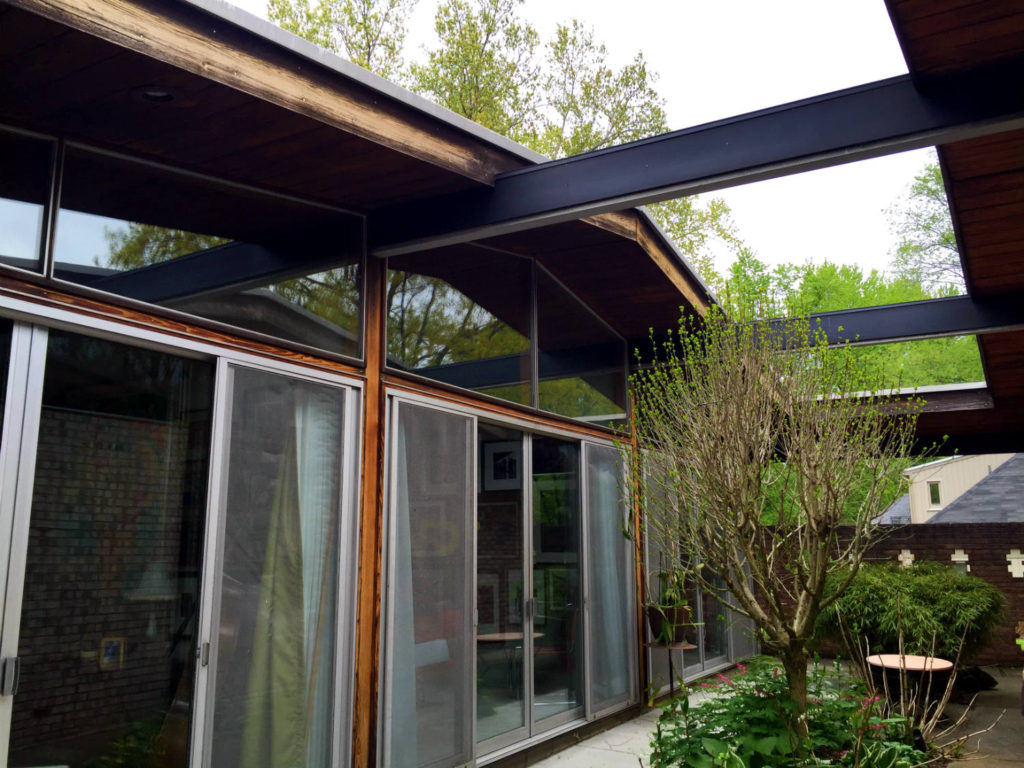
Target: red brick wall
[{"x": 987, "y": 545}]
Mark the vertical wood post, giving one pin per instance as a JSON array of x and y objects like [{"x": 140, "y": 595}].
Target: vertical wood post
[{"x": 364, "y": 747}]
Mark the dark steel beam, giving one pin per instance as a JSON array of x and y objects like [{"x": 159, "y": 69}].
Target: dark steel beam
[
  {"x": 854, "y": 124},
  {"x": 233, "y": 266},
  {"x": 950, "y": 316},
  {"x": 582, "y": 362}
]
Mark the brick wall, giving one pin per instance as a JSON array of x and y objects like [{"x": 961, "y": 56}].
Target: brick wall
[
  {"x": 986, "y": 545},
  {"x": 107, "y": 504}
]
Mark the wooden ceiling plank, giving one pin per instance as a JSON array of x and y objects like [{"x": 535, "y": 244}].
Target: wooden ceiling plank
[
  {"x": 955, "y": 19},
  {"x": 909, "y": 10}
]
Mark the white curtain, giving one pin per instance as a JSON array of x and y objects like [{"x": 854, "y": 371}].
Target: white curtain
[
  {"x": 611, "y": 614},
  {"x": 318, "y": 424}
]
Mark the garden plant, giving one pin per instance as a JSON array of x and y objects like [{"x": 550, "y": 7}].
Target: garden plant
[
  {"x": 746, "y": 722},
  {"x": 760, "y": 457}
]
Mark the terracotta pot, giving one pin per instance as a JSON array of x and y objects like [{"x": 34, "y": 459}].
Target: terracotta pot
[{"x": 669, "y": 623}]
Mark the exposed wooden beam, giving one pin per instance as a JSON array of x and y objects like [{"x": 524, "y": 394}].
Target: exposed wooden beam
[
  {"x": 221, "y": 52},
  {"x": 854, "y": 124}
]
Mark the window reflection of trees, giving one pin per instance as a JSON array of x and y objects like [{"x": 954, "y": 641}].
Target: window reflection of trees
[
  {"x": 430, "y": 323},
  {"x": 333, "y": 295}
]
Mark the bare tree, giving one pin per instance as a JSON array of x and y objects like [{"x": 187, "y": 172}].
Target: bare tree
[{"x": 761, "y": 469}]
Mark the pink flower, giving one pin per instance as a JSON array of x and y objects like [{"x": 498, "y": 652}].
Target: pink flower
[
  {"x": 725, "y": 679},
  {"x": 741, "y": 668}
]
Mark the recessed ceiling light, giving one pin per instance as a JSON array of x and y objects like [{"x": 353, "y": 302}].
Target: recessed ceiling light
[{"x": 156, "y": 94}]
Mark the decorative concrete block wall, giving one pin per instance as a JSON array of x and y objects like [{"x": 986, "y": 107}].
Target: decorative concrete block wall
[{"x": 986, "y": 547}]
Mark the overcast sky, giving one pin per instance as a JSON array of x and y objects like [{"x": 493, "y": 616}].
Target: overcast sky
[{"x": 718, "y": 58}]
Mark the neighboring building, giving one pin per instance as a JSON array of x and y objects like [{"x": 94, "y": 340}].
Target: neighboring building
[
  {"x": 998, "y": 497},
  {"x": 937, "y": 484}
]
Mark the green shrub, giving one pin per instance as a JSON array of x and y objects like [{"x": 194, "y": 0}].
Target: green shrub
[
  {"x": 743, "y": 724},
  {"x": 928, "y": 600}
]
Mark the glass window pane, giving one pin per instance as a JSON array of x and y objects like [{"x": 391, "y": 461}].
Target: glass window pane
[
  {"x": 611, "y": 582},
  {"x": 582, "y": 362},
  {"x": 109, "y": 610},
  {"x": 120, "y": 219},
  {"x": 462, "y": 316},
  {"x": 431, "y": 636},
  {"x": 557, "y": 578},
  {"x": 277, "y": 646},
  {"x": 24, "y": 188},
  {"x": 500, "y": 682}
]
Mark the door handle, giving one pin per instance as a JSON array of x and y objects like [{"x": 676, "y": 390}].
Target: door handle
[{"x": 10, "y": 676}]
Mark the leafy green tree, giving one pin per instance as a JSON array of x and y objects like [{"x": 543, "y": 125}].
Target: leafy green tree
[
  {"x": 711, "y": 419},
  {"x": 753, "y": 291},
  {"x": 587, "y": 104},
  {"x": 370, "y": 33},
  {"x": 927, "y": 252},
  {"x": 139, "y": 245},
  {"x": 484, "y": 67},
  {"x": 695, "y": 225}
]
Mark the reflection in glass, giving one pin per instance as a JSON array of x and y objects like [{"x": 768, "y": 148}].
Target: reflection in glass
[
  {"x": 277, "y": 642},
  {"x": 24, "y": 187},
  {"x": 123, "y": 223},
  {"x": 462, "y": 316},
  {"x": 108, "y": 623},
  {"x": 557, "y": 581},
  {"x": 582, "y": 361},
  {"x": 500, "y": 682},
  {"x": 715, "y": 629},
  {"x": 431, "y": 639}
]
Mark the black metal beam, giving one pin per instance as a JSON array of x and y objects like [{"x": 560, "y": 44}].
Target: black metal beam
[
  {"x": 867, "y": 121},
  {"x": 582, "y": 362},
  {"x": 932, "y": 318},
  {"x": 235, "y": 266}
]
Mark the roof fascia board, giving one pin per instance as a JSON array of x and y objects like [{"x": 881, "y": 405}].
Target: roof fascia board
[
  {"x": 858, "y": 123},
  {"x": 332, "y": 61}
]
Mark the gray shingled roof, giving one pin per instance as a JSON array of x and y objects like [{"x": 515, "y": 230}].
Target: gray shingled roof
[
  {"x": 997, "y": 498},
  {"x": 897, "y": 513}
]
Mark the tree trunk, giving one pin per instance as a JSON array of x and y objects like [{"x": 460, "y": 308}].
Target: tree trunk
[{"x": 794, "y": 662}]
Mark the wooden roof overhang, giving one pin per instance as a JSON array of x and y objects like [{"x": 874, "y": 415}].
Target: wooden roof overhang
[
  {"x": 256, "y": 106},
  {"x": 944, "y": 41}
]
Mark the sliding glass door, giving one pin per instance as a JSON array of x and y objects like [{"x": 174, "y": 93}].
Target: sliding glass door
[
  {"x": 557, "y": 605},
  {"x": 278, "y": 635},
  {"x": 496, "y": 537},
  {"x": 102, "y": 602},
  {"x": 177, "y": 587},
  {"x": 427, "y": 718}
]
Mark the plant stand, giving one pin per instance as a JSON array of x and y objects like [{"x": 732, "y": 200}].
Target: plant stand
[{"x": 669, "y": 647}]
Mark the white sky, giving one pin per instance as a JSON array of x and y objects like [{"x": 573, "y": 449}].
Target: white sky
[{"x": 725, "y": 57}]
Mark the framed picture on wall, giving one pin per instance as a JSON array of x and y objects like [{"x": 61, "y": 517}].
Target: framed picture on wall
[
  {"x": 503, "y": 466},
  {"x": 112, "y": 653}
]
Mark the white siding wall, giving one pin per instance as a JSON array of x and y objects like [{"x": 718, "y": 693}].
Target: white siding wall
[{"x": 954, "y": 477}]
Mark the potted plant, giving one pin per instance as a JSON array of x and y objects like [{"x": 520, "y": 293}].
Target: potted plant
[{"x": 669, "y": 614}]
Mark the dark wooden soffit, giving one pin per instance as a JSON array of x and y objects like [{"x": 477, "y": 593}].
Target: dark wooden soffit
[
  {"x": 74, "y": 84},
  {"x": 219, "y": 52},
  {"x": 939, "y": 37},
  {"x": 984, "y": 180}
]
